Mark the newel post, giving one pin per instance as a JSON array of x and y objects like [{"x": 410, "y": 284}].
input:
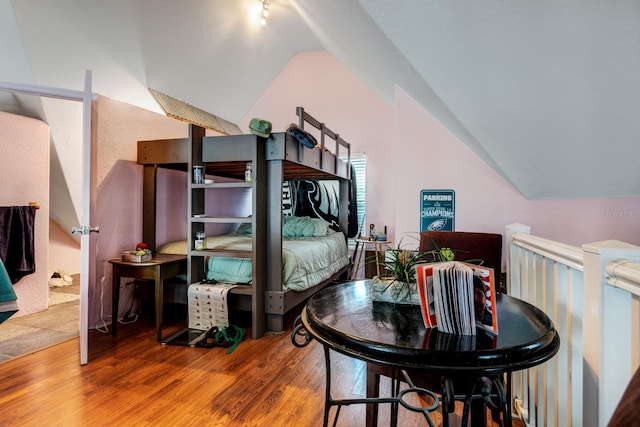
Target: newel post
[{"x": 607, "y": 326}]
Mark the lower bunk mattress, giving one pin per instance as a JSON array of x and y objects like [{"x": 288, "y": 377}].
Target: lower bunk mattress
[{"x": 306, "y": 261}]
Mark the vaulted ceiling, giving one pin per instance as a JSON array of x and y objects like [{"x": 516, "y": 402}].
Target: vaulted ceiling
[{"x": 547, "y": 92}]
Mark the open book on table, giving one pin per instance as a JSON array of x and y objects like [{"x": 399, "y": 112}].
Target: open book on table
[{"x": 457, "y": 297}]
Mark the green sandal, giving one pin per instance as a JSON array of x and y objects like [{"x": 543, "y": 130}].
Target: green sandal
[{"x": 229, "y": 336}]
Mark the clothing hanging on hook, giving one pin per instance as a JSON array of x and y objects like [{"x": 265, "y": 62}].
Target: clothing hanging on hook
[{"x": 17, "y": 249}]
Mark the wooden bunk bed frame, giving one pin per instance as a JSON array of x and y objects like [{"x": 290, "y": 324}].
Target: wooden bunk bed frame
[{"x": 275, "y": 159}]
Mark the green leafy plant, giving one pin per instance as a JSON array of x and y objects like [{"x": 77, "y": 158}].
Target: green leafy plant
[
  {"x": 399, "y": 263},
  {"x": 396, "y": 280},
  {"x": 397, "y": 269}
]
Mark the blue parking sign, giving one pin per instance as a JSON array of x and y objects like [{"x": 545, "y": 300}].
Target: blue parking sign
[{"x": 437, "y": 210}]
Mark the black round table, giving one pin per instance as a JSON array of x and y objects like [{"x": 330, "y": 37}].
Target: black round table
[{"x": 343, "y": 318}]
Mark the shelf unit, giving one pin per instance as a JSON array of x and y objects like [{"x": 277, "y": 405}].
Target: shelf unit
[{"x": 198, "y": 218}]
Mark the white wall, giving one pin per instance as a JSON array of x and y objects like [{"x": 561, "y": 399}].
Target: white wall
[
  {"x": 24, "y": 178},
  {"x": 64, "y": 251},
  {"x": 84, "y": 38}
]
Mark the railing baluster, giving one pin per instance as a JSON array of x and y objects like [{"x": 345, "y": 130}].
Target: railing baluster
[{"x": 592, "y": 294}]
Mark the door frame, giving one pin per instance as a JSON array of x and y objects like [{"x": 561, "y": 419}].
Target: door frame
[{"x": 89, "y": 152}]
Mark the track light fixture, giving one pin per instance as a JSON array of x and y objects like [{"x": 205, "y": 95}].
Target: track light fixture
[{"x": 264, "y": 12}]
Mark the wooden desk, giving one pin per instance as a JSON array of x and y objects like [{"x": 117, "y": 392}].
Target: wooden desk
[
  {"x": 344, "y": 319},
  {"x": 361, "y": 245},
  {"x": 160, "y": 268}
]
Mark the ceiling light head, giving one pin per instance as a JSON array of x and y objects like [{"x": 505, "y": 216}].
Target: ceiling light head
[{"x": 264, "y": 12}]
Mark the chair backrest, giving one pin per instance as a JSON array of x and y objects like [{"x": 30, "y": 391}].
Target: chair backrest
[
  {"x": 467, "y": 245},
  {"x": 626, "y": 412}
]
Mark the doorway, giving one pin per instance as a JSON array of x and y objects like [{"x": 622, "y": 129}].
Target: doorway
[{"x": 87, "y": 194}]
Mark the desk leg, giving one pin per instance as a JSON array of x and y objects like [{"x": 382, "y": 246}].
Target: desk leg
[
  {"x": 507, "y": 415},
  {"x": 327, "y": 392},
  {"x": 115, "y": 298},
  {"x": 159, "y": 302},
  {"x": 395, "y": 392},
  {"x": 373, "y": 386},
  {"x": 373, "y": 390},
  {"x": 358, "y": 256},
  {"x": 354, "y": 263}
]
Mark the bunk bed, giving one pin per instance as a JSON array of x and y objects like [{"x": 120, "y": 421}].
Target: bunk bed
[{"x": 275, "y": 160}]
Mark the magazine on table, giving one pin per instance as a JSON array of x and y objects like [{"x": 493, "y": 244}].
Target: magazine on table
[
  {"x": 424, "y": 280},
  {"x": 457, "y": 297}
]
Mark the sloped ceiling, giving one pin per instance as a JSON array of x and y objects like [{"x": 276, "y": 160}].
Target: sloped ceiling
[
  {"x": 547, "y": 92},
  {"x": 550, "y": 89}
]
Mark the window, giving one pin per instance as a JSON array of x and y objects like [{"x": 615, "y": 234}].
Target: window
[{"x": 359, "y": 162}]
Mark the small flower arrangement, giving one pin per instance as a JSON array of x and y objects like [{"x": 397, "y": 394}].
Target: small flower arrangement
[
  {"x": 142, "y": 249},
  {"x": 141, "y": 254}
]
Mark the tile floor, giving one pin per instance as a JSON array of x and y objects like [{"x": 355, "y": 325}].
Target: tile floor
[{"x": 33, "y": 332}]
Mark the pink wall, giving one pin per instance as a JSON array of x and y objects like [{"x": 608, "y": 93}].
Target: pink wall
[
  {"x": 119, "y": 187},
  {"x": 408, "y": 150},
  {"x": 24, "y": 178},
  {"x": 329, "y": 92},
  {"x": 428, "y": 156}
]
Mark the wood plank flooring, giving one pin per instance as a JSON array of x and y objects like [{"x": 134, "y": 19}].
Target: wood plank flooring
[{"x": 131, "y": 380}]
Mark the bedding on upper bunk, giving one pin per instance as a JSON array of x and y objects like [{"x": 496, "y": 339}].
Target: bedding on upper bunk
[
  {"x": 320, "y": 199},
  {"x": 311, "y": 253}
]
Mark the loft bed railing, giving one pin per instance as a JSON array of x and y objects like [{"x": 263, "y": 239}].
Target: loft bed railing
[
  {"x": 304, "y": 117},
  {"x": 326, "y": 162}
]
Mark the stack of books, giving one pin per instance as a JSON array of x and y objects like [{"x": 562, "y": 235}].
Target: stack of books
[{"x": 457, "y": 297}]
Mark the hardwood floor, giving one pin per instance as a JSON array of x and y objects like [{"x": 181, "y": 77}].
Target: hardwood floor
[{"x": 131, "y": 380}]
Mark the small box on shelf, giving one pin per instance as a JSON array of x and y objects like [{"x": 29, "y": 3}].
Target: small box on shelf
[{"x": 130, "y": 256}]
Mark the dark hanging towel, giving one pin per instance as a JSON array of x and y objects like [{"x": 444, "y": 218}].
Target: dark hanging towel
[{"x": 17, "y": 226}]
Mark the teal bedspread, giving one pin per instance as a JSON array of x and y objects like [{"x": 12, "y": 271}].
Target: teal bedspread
[
  {"x": 306, "y": 261},
  {"x": 8, "y": 297}
]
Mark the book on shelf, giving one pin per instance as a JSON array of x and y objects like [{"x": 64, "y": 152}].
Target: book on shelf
[{"x": 457, "y": 297}]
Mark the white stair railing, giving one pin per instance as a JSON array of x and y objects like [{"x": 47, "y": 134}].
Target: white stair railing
[{"x": 591, "y": 294}]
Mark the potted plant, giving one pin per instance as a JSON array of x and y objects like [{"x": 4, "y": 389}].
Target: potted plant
[{"x": 398, "y": 282}]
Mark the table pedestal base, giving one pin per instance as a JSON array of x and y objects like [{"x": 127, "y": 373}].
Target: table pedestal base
[
  {"x": 486, "y": 392},
  {"x": 396, "y": 400}
]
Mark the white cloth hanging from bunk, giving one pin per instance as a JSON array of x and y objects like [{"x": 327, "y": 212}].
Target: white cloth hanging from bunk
[{"x": 208, "y": 305}]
